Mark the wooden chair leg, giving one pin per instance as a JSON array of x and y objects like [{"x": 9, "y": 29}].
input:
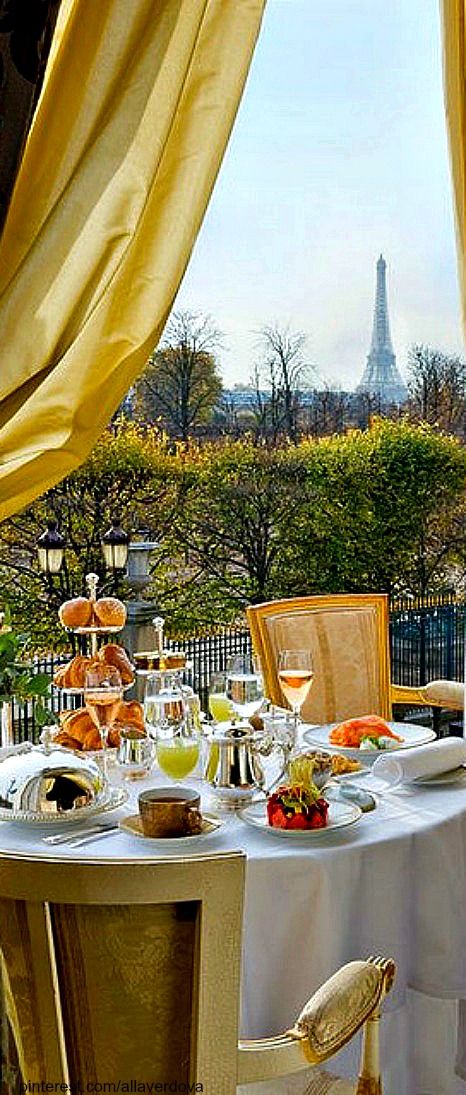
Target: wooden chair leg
[{"x": 369, "y": 1081}]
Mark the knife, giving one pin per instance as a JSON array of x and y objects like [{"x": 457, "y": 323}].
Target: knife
[
  {"x": 71, "y": 835},
  {"x": 76, "y": 843}
]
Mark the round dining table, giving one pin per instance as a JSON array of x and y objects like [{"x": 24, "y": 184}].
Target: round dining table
[{"x": 392, "y": 884}]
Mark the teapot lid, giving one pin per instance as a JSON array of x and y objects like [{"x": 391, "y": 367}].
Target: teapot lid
[{"x": 234, "y": 733}]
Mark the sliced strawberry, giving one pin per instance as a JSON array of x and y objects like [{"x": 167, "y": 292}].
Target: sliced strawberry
[
  {"x": 277, "y": 816},
  {"x": 299, "y": 821}
]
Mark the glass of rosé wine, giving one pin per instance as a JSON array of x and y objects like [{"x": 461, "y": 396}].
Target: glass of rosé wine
[
  {"x": 295, "y": 674},
  {"x": 103, "y": 691}
]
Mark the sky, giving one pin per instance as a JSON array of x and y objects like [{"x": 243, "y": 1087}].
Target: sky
[{"x": 339, "y": 152}]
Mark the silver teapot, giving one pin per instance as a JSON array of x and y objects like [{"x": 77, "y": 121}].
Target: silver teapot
[{"x": 235, "y": 766}]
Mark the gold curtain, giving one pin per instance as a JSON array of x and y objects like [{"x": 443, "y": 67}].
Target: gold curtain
[
  {"x": 454, "y": 68},
  {"x": 134, "y": 117}
]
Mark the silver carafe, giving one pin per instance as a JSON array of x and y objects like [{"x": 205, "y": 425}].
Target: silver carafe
[{"x": 235, "y": 763}]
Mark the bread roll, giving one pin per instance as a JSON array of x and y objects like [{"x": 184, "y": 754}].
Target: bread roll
[
  {"x": 115, "y": 655},
  {"x": 110, "y": 612},
  {"x": 76, "y": 613}
]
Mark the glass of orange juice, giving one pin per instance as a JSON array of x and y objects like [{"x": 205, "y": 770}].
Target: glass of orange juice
[
  {"x": 177, "y": 751},
  {"x": 220, "y": 706}
]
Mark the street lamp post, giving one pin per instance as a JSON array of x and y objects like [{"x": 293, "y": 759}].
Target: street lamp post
[
  {"x": 138, "y": 633},
  {"x": 51, "y": 550},
  {"x": 115, "y": 546}
]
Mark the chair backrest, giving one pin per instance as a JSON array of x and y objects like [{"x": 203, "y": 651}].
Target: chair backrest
[
  {"x": 117, "y": 971},
  {"x": 347, "y": 635}
]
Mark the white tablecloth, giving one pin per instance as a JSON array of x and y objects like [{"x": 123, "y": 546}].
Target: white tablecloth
[{"x": 393, "y": 884}]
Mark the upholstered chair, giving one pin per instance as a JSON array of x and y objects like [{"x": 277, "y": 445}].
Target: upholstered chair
[
  {"x": 347, "y": 635},
  {"x": 115, "y": 971}
]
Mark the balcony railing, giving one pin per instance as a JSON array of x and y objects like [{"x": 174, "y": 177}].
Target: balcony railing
[{"x": 427, "y": 642}]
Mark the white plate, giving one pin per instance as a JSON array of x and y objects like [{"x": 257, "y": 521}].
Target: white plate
[
  {"x": 340, "y": 815},
  {"x": 412, "y": 735},
  {"x": 210, "y": 827},
  {"x": 110, "y": 800}
]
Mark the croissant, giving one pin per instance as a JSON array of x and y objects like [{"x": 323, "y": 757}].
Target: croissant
[
  {"x": 59, "y": 677},
  {"x": 111, "y": 654},
  {"x": 79, "y": 732},
  {"x": 130, "y": 713},
  {"x": 66, "y": 740},
  {"x": 77, "y": 723},
  {"x": 73, "y": 674}
]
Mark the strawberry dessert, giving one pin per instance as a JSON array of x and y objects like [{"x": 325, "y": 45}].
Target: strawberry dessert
[{"x": 297, "y": 807}]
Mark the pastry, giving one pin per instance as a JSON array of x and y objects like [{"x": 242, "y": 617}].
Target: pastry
[
  {"x": 73, "y": 675},
  {"x": 77, "y": 670},
  {"x": 59, "y": 677},
  {"x": 92, "y": 740},
  {"x": 79, "y": 732},
  {"x": 130, "y": 713},
  {"x": 111, "y": 654},
  {"x": 76, "y": 613},
  {"x": 77, "y": 723},
  {"x": 109, "y": 612}
]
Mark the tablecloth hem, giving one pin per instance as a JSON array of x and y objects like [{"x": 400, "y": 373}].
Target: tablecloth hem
[{"x": 438, "y": 994}]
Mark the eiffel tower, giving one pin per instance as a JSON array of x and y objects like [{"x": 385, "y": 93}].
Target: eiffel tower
[{"x": 381, "y": 376}]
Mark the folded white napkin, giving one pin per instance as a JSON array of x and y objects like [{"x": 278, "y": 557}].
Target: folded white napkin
[{"x": 424, "y": 760}]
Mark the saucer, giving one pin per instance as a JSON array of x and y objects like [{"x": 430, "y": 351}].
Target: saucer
[{"x": 210, "y": 826}]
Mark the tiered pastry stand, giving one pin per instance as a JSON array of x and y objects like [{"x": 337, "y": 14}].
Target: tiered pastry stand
[{"x": 92, "y": 632}]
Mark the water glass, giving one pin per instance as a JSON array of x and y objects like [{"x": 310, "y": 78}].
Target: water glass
[
  {"x": 245, "y": 688},
  {"x": 164, "y": 702}
]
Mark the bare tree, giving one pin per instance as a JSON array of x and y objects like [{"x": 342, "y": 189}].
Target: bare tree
[
  {"x": 286, "y": 374},
  {"x": 181, "y": 384},
  {"x": 437, "y": 388},
  {"x": 327, "y": 412},
  {"x": 366, "y": 406}
]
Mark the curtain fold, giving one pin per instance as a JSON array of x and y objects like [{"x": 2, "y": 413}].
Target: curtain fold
[
  {"x": 454, "y": 72},
  {"x": 136, "y": 110},
  {"x": 25, "y": 39}
]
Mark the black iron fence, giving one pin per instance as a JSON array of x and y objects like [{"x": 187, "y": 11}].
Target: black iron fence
[{"x": 427, "y": 642}]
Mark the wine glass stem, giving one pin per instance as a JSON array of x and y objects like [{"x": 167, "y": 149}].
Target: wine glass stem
[
  {"x": 295, "y": 725},
  {"x": 103, "y": 735}
]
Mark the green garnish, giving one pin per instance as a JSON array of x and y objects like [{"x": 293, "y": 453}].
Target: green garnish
[{"x": 298, "y": 798}]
